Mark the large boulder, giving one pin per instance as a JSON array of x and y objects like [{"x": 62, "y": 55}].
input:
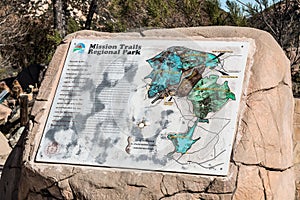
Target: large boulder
[{"x": 262, "y": 155}]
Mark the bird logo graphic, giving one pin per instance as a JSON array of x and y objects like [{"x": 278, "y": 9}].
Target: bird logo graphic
[{"x": 79, "y": 48}]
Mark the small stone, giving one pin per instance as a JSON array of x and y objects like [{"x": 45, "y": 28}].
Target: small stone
[
  {"x": 16, "y": 89},
  {"x": 141, "y": 125},
  {"x": 3, "y": 86}
]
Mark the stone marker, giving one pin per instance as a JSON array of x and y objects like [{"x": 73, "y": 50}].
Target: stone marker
[
  {"x": 163, "y": 105},
  {"x": 262, "y": 153}
]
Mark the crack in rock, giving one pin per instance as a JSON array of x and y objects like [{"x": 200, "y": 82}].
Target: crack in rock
[
  {"x": 265, "y": 167},
  {"x": 163, "y": 188},
  {"x": 55, "y": 187},
  {"x": 263, "y": 184},
  {"x": 210, "y": 184},
  {"x": 269, "y": 88},
  {"x": 137, "y": 186},
  {"x": 237, "y": 178},
  {"x": 169, "y": 193}
]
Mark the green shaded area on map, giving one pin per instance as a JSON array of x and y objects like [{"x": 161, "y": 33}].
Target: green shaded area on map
[{"x": 209, "y": 96}]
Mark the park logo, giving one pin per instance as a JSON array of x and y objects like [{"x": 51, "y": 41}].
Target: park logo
[{"x": 79, "y": 48}]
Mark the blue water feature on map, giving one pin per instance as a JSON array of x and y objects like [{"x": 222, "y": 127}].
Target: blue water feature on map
[
  {"x": 183, "y": 141},
  {"x": 164, "y": 73},
  {"x": 169, "y": 65}
]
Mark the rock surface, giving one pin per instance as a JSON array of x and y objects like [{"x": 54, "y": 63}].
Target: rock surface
[
  {"x": 4, "y": 114},
  {"x": 5, "y": 149},
  {"x": 262, "y": 157},
  {"x": 297, "y": 146}
]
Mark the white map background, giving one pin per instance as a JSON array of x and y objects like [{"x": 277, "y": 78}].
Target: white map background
[{"x": 106, "y": 118}]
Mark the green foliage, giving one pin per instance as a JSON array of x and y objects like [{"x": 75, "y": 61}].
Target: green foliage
[
  {"x": 122, "y": 11},
  {"x": 157, "y": 12},
  {"x": 116, "y": 26},
  {"x": 132, "y": 14},
  {"x": 53, "y": 40},
  {"x": 73, "y": 26},
  {"x": 3, "y": 73},
  {"x": 38, "y": 49},
  {"x": 192, "y": 12},
  {"x": 236, "y": 14},
  {"x": 214, "y": 12}
]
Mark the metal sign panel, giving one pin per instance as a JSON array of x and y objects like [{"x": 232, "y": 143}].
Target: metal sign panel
[{"x": 163, "y": 105}]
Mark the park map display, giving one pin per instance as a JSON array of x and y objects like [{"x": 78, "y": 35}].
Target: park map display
[{"x": 162, "y": 105}]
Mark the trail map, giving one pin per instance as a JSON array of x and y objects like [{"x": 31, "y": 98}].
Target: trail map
[{"x": 162, "y": 105}]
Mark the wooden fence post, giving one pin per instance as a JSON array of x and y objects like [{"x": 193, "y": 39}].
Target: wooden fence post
[{"x": 24, "y": 109}]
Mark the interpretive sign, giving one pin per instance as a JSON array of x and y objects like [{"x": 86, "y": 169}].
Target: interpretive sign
[{"x": 163, "y": 105}]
